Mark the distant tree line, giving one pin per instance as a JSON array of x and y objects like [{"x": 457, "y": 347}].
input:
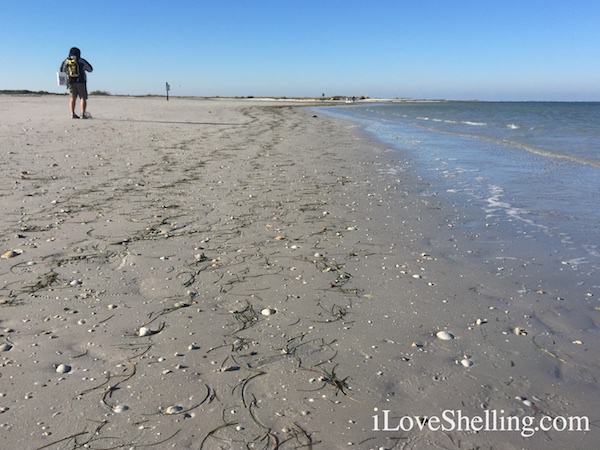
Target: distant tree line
[
  {"x": 25, "y": 92},
  {"x": 28, "y": 92}
]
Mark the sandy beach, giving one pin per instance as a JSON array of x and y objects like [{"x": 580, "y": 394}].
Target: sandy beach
[{"x": 245, "y": 274}]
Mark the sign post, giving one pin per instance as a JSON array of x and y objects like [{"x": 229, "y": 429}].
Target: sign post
[{"x": 168, "y": 89}]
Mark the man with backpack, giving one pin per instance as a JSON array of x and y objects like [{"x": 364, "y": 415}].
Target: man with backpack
[{"x": 76, "y": 67}]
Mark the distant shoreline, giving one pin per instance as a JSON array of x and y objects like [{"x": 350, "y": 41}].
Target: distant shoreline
[{"x": 337, "y": 99}]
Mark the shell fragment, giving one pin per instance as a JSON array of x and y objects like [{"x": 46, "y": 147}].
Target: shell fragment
[{"x": 444, "y": 336}]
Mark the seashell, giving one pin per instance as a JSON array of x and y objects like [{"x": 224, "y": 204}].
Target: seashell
[
  {"x": 444, "y": 336},
  {"x": 466, "y": 362},
  {"x": 279, "y": 238},
  {"x": 267, "y": 312},
  {"x": 11, "y": 253},
  {"x": 520, "y": 331},
  {"x": 416, "y": 275},
  {"x": 527, "y": 402},
  {"x": 175, "y": 409},
  {"x": 144, "y": 331},
  {"x": 182, "y": 304},
  {"x": 120, "y": 408},
  {"x": 5, "y": 347},
  {"x": 63, "y": 368}
]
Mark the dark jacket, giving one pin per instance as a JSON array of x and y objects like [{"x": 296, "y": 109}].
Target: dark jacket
[{"x": 84, "y": 67}]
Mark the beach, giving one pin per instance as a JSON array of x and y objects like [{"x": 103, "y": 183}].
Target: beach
[{"x": 240, "y": 273}]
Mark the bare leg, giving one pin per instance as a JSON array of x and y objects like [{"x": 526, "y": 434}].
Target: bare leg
[
  {"x": 72, "y": 105},
  {"x": 83, "y": 106}
]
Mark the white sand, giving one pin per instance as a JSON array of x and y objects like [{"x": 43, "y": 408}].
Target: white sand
[{"x": 189, "y": 218}]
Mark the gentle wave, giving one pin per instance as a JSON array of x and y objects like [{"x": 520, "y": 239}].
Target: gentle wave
[{"x": 533, "y": 166}]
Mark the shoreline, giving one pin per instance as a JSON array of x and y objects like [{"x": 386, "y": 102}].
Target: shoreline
[{"x": 230, "y": 271}]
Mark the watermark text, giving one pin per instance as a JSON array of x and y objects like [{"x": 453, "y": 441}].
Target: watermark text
[{"x": 491, "y": 420}]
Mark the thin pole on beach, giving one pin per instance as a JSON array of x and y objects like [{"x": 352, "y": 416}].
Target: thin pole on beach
[{"x": 168, "y": 89}]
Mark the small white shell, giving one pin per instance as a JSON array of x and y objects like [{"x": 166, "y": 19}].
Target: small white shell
[
  {"x": 5, "y": 347},
  {"x": 144, "y": 331},
  {"x": 175, "y": 409},
  {"x": 466, "y": 362},
  {"x": 63, "y": 368},
  {"x": 444, "y": 336},
  {"x": 267, "y": 312},
  {"x": 120, "y": 408}
]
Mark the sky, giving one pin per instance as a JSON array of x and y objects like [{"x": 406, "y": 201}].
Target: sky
[{"x": 452, "y": 49}]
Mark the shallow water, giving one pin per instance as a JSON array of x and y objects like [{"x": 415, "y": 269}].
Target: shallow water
[{"x": 528, "y": 168}]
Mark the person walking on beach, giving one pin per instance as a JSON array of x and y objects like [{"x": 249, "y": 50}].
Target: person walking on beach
[{"x": 76, "y": 67}]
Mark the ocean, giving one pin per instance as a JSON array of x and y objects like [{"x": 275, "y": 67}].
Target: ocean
[{"x": 526, "y": 168}]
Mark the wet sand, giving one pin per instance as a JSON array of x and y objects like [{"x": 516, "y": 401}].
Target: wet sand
[{"x": 230, "y": 274}]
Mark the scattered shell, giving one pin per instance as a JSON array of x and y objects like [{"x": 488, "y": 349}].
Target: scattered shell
[
  {"x": 279, "y": 238},
  {"x": 144, "y": 331},
  {"x": 527, "y": 402},
  {"x": 120, "y": 408},
  {"x": 480, "y": 321},
  {"x": 3, "y": 409},
  {"x": 519, "y": 331},
  {"x": 577, "y": 341},
  {"x": 175, "y": 409},
  {"x": 5, "y": 347},
  {"x": 444, "y": 336},
  {"x": 63, "y": 368},
  {"x": 416, "y": 275},
  {"x": 267, "y": 312},
  {"x": 11, "y": 254},
  {"x": 182, "y": 304},
  {"x": 466, "y": 362}
]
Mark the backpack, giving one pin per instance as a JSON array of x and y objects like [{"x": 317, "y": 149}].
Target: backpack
[{"x": 72, "y": 67}]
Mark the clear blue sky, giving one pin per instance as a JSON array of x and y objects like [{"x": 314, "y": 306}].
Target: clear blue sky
[{"x": 458, "y": 49}]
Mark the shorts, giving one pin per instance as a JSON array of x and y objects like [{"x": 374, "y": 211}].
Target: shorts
[{"x": 79, "y": 90}]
